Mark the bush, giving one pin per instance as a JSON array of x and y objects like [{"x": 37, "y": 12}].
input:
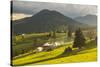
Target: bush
[{"x": 68, "y": 50}]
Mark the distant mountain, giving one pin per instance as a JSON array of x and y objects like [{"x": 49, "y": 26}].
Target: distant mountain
[
  {"x": 45, "y": 21},
  {"x": 88, "y": 19}
]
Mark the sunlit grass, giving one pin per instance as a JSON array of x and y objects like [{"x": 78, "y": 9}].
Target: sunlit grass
[
  {"x": 82, "y": 56},
  {"x": 51, "y": 57},
  {"x": 39, "y": 56},
  {"x": 88, "y": 56}
]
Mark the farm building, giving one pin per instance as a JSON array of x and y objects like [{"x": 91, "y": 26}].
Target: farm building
[{"x": 49, "y": 46}]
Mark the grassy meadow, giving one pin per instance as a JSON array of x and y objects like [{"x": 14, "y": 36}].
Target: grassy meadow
[{"x": 23, "y": 49}]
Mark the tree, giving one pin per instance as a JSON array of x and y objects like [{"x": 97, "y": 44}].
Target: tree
[
  {"x": 54, "y": 34},
  {"x": 90, "y": 35},
  {"x": 35, "y": 41},
  {"x": 79, "y": 40},
  {"x": 69, "y": 33},
  {"x": 49, "y": 35},
  {"x": 96, "y": 40},
  {"x": 53, "y": 40},
  {"x": 69, "y": 49}
]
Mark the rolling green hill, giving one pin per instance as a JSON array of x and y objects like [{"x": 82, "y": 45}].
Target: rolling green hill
[
  {"x": 57, "y": 56},
  {"x": 84, "y": 56}
]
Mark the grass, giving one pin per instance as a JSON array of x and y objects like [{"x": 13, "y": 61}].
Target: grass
[
  {"x": 39, "y": 56},
  {"x": 80, "y": 57},
  {"x": 56, "y": 56},
  {"x": 21, "y": 46},
  {"x": 24, "y": 49}
]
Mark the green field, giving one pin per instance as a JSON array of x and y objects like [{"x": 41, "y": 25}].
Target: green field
[
  {"x": 57, "y": 55},
  {"x": 83, "y": 57},
  {"x": 21, "y": 46},
  {"x": 47, "y": 33}
]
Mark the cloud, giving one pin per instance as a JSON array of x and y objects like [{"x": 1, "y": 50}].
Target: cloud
[
  {"x": 17, "y": 16},
  {"x": 71, "y": 10}
]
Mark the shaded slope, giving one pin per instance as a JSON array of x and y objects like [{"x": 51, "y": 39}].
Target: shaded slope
[{"x": 45, "y": 21}]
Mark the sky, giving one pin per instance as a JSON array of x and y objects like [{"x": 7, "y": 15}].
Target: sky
[{"x": 23, "y": 9}]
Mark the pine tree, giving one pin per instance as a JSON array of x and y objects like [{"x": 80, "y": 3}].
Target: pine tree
[
  {"x": 69, "y": 33},
  {"x": 96, "y": 40},
  {"x": 54, "y": 34},
  {"x": 79, "y": 40}
]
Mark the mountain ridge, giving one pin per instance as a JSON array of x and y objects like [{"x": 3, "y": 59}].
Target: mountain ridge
[
  {"x": 88, "y": 19},
  {"x": 45, "y": 21}
]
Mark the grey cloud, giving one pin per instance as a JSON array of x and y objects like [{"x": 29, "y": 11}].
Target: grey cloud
[{"x": 71, "y": 10}]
